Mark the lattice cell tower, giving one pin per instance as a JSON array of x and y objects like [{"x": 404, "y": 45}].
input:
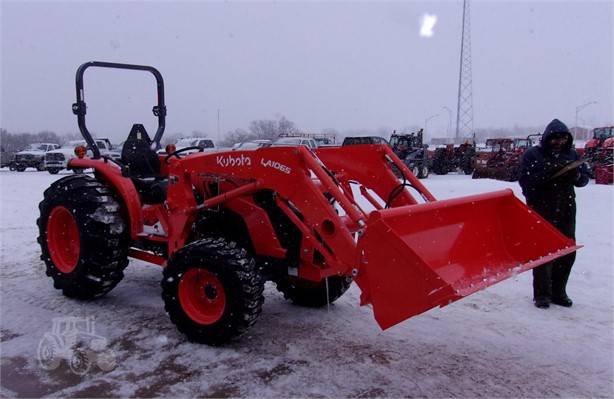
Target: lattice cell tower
[{"x": 464, "y": 110}]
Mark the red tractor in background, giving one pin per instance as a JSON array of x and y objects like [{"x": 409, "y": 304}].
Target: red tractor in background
[
  {"x": 221, "y": 224},
  {"x": 598, "y": 151},
  {"x": 500, "y": 158},
  {"x": 454, "y": 158}
]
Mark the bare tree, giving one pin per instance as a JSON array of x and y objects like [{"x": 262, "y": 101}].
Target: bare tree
[{"x": 263, "y": 129}]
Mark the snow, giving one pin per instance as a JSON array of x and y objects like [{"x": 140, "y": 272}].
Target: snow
[{"x": 494, "y": 343}]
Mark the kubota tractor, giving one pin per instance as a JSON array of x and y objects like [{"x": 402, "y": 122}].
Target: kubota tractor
[{"x": 222, "y": 224}]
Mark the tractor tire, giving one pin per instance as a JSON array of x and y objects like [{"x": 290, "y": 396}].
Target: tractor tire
[
  {"x": 466, "y": 165},
  {"x": 54, "y": 171},
  {"x": 84, "y": 237},
  {"x": 415, "y": 170},
  {"x": 20, "y": 168},
  {"x": 424, "y": 172},
  {"x": 212, "y": 291},
  {"x": 313, "y": 294},
  {"x": 49, "y": 352},
  {"x": 80, "y": 362}
]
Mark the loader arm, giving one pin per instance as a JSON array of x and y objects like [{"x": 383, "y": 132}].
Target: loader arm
[{"x": 300, "y": 184}]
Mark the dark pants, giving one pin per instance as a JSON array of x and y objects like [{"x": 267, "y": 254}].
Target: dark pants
[{"x": 550, "y": 279}]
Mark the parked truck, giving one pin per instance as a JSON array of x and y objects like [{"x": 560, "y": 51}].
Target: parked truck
[
  {"x": 33, "y": 156},
  {"x": 311, "y": 221},
  {"x": 57, "y": 160},
  {"x": 7, "y": 159}
]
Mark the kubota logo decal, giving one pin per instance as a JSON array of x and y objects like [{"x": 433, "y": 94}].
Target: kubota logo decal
[
  {"x": 229, "y": 160},
  {"x": 276, "y": 165}
]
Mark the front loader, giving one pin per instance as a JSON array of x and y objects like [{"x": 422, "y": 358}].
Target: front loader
[{"x": 222, "y": 224}]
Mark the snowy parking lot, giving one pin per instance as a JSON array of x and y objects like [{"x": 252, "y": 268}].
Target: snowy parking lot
[{"x": 494, "y": 343}]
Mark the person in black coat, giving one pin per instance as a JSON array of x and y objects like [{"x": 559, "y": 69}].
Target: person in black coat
[{"x": 551, "y": 194}]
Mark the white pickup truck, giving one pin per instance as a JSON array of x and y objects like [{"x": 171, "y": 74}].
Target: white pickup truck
[
  {"x": 33, "y": 157},
  {"x": 57, "y": 160}
]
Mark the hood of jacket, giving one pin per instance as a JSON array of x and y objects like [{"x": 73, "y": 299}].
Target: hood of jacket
[{"x": 556, "y": 127}]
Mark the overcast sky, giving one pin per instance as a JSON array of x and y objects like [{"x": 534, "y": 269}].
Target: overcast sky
[{"x": 344, "y": 65}]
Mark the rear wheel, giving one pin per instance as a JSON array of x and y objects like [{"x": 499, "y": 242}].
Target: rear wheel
[
  {"x": 313, "y": 294},
  {"x": 83, "y": 236},
  {"x": 49, "y": 353},
  {"x": 212, "y": 291},
  {"x": 20, "y": 168},
  {"x": 80, "y": 362}
]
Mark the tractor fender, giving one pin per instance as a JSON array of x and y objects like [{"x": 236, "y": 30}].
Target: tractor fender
[{"x": 110, "y": 175}]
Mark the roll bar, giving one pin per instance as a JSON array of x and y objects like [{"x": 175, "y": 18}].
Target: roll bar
[{"x": 80, "y": 108}]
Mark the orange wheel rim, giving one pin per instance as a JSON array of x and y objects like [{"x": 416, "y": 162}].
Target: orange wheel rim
[
  {"x": 63, "y": 239},
  {"x": 202, "y": 296}
]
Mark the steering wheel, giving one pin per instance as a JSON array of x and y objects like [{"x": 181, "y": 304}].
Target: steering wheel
[{"x": 179, "y": 151}]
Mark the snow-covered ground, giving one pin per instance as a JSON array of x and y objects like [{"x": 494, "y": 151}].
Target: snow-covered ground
[{"x": 494, "y": 343}]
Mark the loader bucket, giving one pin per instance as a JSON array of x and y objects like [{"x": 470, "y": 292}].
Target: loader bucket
[{"x": 421, "y": 256}]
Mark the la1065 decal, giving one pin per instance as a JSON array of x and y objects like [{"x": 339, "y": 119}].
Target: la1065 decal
[{"x": 276, "y": 165}]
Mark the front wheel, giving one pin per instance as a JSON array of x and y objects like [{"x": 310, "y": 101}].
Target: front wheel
[
  {"x": 84, "y": 238},
  {"x": 212, "y": 291}
]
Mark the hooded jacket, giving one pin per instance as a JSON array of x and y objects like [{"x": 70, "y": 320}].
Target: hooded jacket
[{"x": 553, "y": 197}]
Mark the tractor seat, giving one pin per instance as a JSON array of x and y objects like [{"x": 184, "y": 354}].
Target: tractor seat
[{"x": 144, "y": 166}]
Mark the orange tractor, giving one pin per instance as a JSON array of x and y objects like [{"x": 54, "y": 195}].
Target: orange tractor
[{"x": 221, "y": 224}]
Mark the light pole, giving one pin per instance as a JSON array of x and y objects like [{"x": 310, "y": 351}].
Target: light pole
[
  {"x": 450, "y": 123},
  {"x": 578, "y": 109},
  {"x": 426, "y": 121}
]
